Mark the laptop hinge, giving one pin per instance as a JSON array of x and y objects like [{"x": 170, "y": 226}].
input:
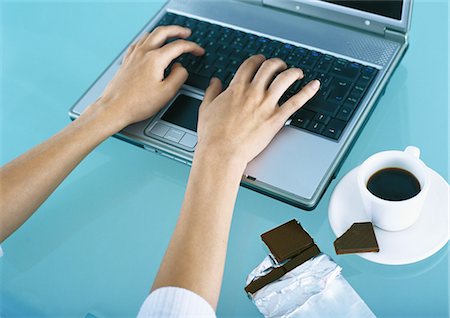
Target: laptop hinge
[
  {"x": 309, "y": 9},
  {"x": 394, "y": 35}
]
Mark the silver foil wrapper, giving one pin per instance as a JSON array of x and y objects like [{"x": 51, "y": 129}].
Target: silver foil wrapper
[{"x": 314, "y": 289}]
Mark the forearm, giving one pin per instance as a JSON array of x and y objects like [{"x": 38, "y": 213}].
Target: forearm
[
  {"x": 27, "y": 181},
  {"x": 196, "y": 254}
]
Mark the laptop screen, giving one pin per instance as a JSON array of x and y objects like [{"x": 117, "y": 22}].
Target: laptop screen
[{"x": 387, "y": 8}]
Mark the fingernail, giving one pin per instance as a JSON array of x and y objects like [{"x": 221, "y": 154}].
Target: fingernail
[{"x": 315, "y": 84}]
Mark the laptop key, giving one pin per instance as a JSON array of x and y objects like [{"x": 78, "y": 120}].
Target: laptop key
[
  {"x": 294, "y": 88},
  {"x": 327, "y": 58},
  {"x": 224, "y": 50},
  {"x": 225, "y": 39},
  {"x": 233, "y": 65},
  {"x": 316, "y": 127},
  {"x": 167, "y": 19},
  {"x": 344, "y": 113},
  {"x": 322, "y": 118},
  {"x": 221, "y": 61},
  {"x": 364, "y": 80},
  {"x": 370, "y": 71},
  {"x": 202, "y": 25},
  {"x": 198, "y": 81},
  {"x": 192, "y": 65},
  {"x": 221, "y": 73},
  {"x": 339, "y": 90},
  {"x": 292, "y": 59},
  {"x": 210, "y": 46},
  {"x": 323, "y": 66},
  {"x": 302, "y": 52},
  {"x": 350, "y": 71},
  {"x": 307, "y": 63},
  {"x": 352, "y": 101},
  {"x": 309, "y": 76},
  {"x": 334, "y": 129},
  {"x": 314, "y": 55},
  {"x": 302, "y": 118},
  {"x": 238, "y": 54},
  {"x": 358, "y": 90},
  {"x": 189, "y": 23},
  {"x": 208, "y": 58},
  {"x": 179, "y": 20},
  {"x": 340, "y": 62},
  {"x": 267, "y": 51},
  {"x": 324, "y": 80},
  {"x": 207, "y": 70}
]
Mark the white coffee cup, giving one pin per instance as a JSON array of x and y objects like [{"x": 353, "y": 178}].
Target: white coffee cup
[{"x": 394, "y": 215}]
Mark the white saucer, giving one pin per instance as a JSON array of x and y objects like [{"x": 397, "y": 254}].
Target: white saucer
[{"x": 424, "y": 238}]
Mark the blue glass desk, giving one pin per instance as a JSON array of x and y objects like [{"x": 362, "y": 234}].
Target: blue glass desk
[{"x": 96, "y": 244}]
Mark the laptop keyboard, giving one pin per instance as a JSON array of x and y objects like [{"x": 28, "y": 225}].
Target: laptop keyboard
[{"x": 343, "y": 83}]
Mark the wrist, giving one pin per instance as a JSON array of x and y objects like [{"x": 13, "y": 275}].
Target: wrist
[
  {"x": 222, "y": 161},
  {"x": 99, "y": 115}
]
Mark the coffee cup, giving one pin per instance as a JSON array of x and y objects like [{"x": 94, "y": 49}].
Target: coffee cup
[{"x": 393, "y": 186}]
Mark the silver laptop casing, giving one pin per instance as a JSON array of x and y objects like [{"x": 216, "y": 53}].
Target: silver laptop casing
[{"x": 297, "y": 166}]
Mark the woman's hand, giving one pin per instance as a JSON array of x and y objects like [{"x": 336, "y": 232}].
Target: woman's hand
[
  {"x": 234, "y": 127},
  {"x": 139, "y": 89},
  {"x": 240, "y": 122}
]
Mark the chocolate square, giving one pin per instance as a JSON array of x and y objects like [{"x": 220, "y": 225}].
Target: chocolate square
[
  {"x": 359, "y": 238},
  {"x": 287, "y": 240}
]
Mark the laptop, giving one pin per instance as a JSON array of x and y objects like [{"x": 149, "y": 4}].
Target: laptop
[{"x": 352, "y": 47}]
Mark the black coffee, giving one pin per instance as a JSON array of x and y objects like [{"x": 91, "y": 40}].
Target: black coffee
[{"x": 393, "y": 184}]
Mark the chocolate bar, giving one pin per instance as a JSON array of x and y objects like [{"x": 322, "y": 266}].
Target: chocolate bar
[
  {"x": 287, "y": 240},
  {"x": 291, "y": 246},
  {"x": 359, "y": 238}
]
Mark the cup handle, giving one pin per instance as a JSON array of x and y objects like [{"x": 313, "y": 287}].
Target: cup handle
[{"x": 413, "y": 151}]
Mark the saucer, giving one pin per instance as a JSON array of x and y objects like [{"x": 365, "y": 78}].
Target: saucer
[{"x": 421, "y": 240}]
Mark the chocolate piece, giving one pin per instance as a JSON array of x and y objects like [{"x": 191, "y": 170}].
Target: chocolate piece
[
  {"x": 278, "y": 272},
  {"x": 287, "y": 240},
  {"x": 359, "y": 238}
]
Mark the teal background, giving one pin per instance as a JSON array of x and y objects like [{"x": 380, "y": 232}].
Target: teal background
[{"x": 96, "y": 244}]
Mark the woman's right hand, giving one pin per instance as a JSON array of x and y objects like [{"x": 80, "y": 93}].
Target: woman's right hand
[{"x": 238, "y": 123}]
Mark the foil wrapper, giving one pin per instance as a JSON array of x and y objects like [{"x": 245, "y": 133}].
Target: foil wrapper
[{"x": 314, "y": 289}]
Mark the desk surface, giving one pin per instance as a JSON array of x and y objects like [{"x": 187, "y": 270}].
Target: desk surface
[{"x": 96, "y": 244}]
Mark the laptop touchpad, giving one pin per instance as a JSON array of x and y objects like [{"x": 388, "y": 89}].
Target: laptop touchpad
[
  {"x": 177, "y": 125},
  {"x": 183, "y": 112}
]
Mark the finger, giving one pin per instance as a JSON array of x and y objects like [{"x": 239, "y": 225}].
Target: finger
[
  {"x": 298, "y": 100},
  {"x": 142, "y": 39},
  {"x": 176, "y": 78},
  {"x": 130, "y": 50},
  {"x": 248, "y": 68},
  {"x": 283, "y": 81},
  {"x": 213, "y": 90},
  {"x": 136, "y": 44},
  {"x": 268, "y": 71},
  {"x": 161, "y": 34},
  {"x": 171, "y": 51}
]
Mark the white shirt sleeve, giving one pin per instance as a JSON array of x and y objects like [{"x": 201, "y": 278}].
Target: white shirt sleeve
[{"x": 175, "y": 302}]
